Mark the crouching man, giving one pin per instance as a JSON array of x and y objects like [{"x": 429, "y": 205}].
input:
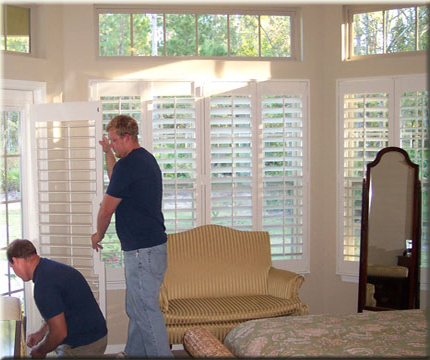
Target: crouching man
[{"x": 74, "y": 324}]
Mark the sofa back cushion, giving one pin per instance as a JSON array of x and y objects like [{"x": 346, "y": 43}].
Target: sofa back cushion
[{"x": 213, "y": 260}]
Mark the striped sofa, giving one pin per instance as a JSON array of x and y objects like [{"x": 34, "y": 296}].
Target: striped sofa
[{"x": 218, "y": 277}]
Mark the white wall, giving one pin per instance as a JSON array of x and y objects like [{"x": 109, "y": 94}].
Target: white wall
[{"x": 68, "y": 61}]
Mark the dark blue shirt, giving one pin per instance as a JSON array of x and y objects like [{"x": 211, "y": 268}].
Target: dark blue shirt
[
  {"x": 59, "y": 288},
  {"x": 137, "y": 180}
]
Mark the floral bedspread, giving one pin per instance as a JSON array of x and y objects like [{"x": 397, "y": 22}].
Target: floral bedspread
[{"x": 401, "y": 333}]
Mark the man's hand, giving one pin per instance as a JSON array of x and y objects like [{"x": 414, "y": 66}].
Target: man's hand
[
  {"x": 36, "y": 353},
  {"x": 105, "y": 144},
  {"x": 55, "y": 330},
  {"x": 95, "y": 240},
  {"x": 35, "y": 338},
  {"x": 110, "y": 157}
]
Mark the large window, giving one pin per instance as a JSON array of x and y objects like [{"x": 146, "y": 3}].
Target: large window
[
  {"x": 376, "y": 30},
  {"x": 15, "y": 28},
  {"x": 374, "y": 114},
  {"x": 231, "y": 153},
  {"x": 142, "y": 32}
]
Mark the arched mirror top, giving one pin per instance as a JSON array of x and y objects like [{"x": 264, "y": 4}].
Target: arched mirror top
[{"x": 392, "y": 154}]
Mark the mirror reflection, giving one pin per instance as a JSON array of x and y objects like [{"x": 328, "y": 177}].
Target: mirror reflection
[{"x": 390, "y": 228}]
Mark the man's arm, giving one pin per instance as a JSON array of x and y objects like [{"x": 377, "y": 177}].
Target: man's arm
[
  {"x": 110, "y": 157},
  {"x": 56, "y": 333},
  {"x": 107, "y": 208}
]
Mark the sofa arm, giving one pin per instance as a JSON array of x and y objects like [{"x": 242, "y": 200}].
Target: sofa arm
[
  {"x": 200, "y": 343},
  {"x": 163, "y": 299},
  {"x": 283, "y": 283}
]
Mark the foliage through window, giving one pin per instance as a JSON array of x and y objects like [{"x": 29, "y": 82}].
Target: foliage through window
[
  {"x": 134, "y": 32},
  {"x": 373, "y": 116},
  {"x": 222, "y": 161},
  {"x": 375, "y": 31},
  {"x": 15, "y": 28}
]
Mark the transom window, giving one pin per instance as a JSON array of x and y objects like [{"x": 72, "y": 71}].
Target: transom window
[
  {"x": 15, "y": 28},
  {"x": 373, "y": 30},
  {"x": 140, "y": 32}
]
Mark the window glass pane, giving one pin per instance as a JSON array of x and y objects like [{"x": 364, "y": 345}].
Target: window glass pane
[
  {"x": 3, "y": 223},
  {"x": 368, "y": 33},
  {"x": 180, "y": 35},
  {"x": 400, "y": 30},
  {"x": 13, "y": 179},
  {"x": 148, "y": 34},
  {"x": 4, "y": 272},
  {"x": 114, "y": 35},
  {"x": 15, "y": 220},
  {"x": 12, "y": 132},
  {"x": 275, "y": 36},
  {"x": 17, "y": 29},
  {"x": 244, "y": 35},
  {"x": 213, "y": 38},
  {"x": 423, "y": 27}
]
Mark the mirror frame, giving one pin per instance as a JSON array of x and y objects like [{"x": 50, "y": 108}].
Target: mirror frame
[{"x": 413, "y": 275}]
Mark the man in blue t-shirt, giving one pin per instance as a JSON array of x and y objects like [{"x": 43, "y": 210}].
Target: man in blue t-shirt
[
  {"x": 74, "y": 324},
  {"x": 134, "y": 194}
]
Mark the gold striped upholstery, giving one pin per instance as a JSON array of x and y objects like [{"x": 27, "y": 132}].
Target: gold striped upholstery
[
  {"x": 218, "y": 277},
  {"x": 228, "y": 308}
]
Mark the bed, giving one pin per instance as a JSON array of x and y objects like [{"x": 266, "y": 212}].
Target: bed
[{"x": 401, "y": 333}]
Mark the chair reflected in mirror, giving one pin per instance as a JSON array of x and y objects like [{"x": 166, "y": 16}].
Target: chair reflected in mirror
[{"x": 390, "y": 233}]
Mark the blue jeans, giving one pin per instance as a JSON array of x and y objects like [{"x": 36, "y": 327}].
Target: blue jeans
[{"x": 144, "y": 274}]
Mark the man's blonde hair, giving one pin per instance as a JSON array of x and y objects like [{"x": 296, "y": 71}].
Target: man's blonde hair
[{"x": 124, "y": 124}]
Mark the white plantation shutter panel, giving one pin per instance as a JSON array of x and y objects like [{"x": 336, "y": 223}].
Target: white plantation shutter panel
[
  {"x": 173, "y": 109},
  {"x": 366, "y": 131},
  {"x": 231, "y": 148},
  {"x": 69, "y": 186},
  {"x": 365, "y": 108},
  {"x": 284, "y": 167},
  {"x": 414, "y": 138}
]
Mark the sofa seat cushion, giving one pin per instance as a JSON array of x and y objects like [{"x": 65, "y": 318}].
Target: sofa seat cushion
[{"x": 221, "y": 309}]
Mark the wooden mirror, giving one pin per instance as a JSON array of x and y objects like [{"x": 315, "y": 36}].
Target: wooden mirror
[{"x": 390, "y": 233}]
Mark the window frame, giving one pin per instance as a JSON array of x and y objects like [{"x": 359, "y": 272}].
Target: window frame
[
  {"x": 393, "y": 85},
  {"x": 347, "y": 30},
  {"x": 293, "y": 12}
]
